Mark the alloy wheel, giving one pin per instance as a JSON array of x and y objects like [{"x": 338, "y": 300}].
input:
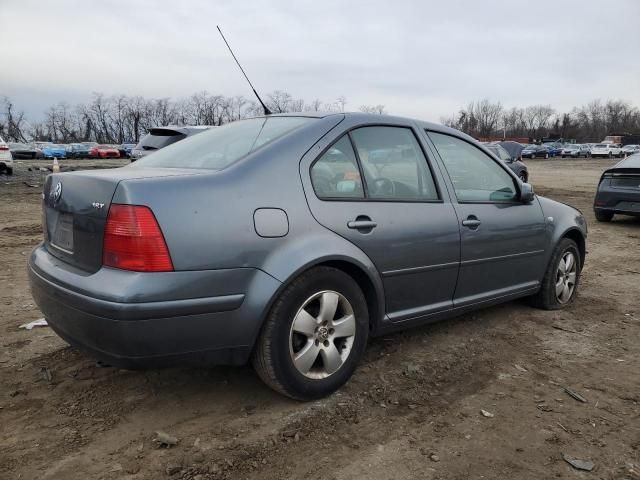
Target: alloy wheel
[
  {"x": 322, "y": 334},
  {"x": 566, "y": 277}
]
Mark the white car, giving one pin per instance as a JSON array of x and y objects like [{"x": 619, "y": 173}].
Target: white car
[
  {"x": 606, "y": 150},
  {"x": 6, "y": 159},
  {"x": 630, "y": 150}
]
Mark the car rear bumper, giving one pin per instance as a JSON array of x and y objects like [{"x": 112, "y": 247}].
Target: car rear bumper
[
  {"x": 139, "y": 320},
  {"x": 618, "y": 200}
]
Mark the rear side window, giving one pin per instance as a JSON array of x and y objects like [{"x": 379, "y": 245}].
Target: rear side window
[
  {"x": 476, "y": 177},
  {"x": 221, "y": 146},
  {"x": 335, "y": 174},
  {"x": 393, "y": 164}
]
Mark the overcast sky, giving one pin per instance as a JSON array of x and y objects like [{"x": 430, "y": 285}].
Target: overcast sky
[{"x": 422, "y": 59}]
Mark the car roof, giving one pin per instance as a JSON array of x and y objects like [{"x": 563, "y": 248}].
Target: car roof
[{"x": 373, "y": 118}]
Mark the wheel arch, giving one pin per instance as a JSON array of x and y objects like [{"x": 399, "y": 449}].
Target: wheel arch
[
  {"x": 577, "y": 236},
  {"x": 364, "y": 274}
]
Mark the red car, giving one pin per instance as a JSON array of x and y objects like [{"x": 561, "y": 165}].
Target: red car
[{"x": 104, "y": 151}]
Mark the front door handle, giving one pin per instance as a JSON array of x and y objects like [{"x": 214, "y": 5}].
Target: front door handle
[
  {"x": 471, "y": 222},
  {"x": 362, "y": 222}
]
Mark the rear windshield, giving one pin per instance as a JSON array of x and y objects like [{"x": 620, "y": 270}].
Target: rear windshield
[{"x": 221, "y": 146}]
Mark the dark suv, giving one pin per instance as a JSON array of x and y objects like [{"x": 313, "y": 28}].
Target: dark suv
[{"x": 518, "y": 167}]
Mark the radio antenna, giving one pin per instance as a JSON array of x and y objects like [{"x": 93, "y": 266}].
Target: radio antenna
[{"x": 264, "y": 107}]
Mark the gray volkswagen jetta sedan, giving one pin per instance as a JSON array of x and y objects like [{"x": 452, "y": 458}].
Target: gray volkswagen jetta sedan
[{"x": 288, "y": 240}]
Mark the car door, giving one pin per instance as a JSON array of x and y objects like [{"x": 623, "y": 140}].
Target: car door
[
  {"x": 374, "y": 186},
  {"x": 503, "y": 240}
]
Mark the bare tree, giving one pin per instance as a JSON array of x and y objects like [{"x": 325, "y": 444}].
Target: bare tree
[{"x": 376, "y": 109}]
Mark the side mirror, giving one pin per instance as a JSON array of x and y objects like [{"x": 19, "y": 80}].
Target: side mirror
[{"x": 526, "y": 193}]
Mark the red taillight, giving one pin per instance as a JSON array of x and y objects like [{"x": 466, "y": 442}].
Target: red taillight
[
  {"x": 133, "y": 240},
  {"x": 4, "y": 147}
]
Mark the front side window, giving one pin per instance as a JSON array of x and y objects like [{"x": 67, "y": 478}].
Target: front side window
[
  {"x": 476, "y": 177},
  {"x": 335, "y": 174},
  {"x": 393, "y": 164}
]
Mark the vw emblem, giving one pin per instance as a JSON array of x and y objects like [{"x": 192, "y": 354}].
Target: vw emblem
[{"x": 56, "y": 193}]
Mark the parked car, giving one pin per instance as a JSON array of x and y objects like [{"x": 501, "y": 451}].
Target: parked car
[
  {"x": 52, "y": 150},
  {"x": 630, "y": 150},
  {"x": 606, "y": 150},
  {"x": 513, "y": 148},
  {"x": 535, "y": 151},
  {"x": 78, "y": 150},
  {"x": 243, "y": 243},
  {"x": 554, "y": 149},
  {"x": 125, "y": 149},
  {"x": 6, "y": 159},
  {"x": 104, "y": 151},
  {"x": 576, "y": 151},
  {"x": 160, "y": 137},
  {"x": 23, "y": 151},
  {"x": 518, "y": 167},
  {"x": 619, "y": 190}
]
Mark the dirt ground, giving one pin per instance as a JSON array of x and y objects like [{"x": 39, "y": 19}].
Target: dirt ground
[{"x": 412, "y": 410}]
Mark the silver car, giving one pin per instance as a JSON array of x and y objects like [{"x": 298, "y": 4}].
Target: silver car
[
  {"x": 576, "y": 151},
  {"x": 289, "y": 240}
]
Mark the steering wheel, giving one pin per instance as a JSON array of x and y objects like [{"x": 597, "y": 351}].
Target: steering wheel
[{"x": 384, "y": 187}]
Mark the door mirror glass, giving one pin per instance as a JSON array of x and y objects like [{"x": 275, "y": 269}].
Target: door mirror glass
[{"x": 526, "y": 193}]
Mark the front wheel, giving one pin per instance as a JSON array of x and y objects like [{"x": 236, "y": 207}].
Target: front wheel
[
  {"x": 523, "y": 177},
  {"x": 560, "y": 282},
  {"x": 314, "y": 335}
]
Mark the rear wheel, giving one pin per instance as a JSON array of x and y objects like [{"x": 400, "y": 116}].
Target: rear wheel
[
  {"x": 603, "y": 216},
  {"x": 314, "y": 336},
  {"x": 9, "y": 170},
  {"x": 560, "y": 282}
]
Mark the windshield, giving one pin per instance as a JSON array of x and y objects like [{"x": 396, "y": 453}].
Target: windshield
[
  {"x": 219, "y": 147},
  {"x": 600, "y": 146}
]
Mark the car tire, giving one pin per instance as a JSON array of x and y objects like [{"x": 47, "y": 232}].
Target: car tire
[
  {"x": 562, "y": 156},
  {"x": 558, "y": 289},
  {"x": 603, "y": 216},
  {"x": 523, "y": 177},
  {"x": 9, "y": 170},
  {"x": 279, "y": 357},
  {"x": 610, "y": 155}
]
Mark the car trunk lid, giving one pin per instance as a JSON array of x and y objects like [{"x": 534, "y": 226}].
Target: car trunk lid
[{"x": 75, "y": 208}]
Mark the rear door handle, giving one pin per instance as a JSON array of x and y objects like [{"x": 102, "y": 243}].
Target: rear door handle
[
  {"x": 361, "y": 224},
  {"x": 471, "y": 222}
]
